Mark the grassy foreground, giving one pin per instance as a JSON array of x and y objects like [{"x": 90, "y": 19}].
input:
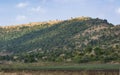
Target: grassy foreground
[{"x": 57, "y": 66}]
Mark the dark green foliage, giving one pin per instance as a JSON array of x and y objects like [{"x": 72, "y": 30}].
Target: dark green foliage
[
  {"x": 88, "y": 49},
  {"x": 75, "y": 40},
  {"x": 98, "y": 51}
]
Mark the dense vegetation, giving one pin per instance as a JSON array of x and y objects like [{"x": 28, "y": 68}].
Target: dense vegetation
[{"x": 77, "y": 40}]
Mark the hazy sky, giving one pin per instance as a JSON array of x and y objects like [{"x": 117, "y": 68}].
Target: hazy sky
[{"x": 25, "y": 11}]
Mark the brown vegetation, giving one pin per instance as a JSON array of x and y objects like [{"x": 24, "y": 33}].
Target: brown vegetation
[{"x": 63, "y": 72}]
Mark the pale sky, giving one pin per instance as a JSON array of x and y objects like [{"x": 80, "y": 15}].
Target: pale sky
[{"x": 24, "y": 11}]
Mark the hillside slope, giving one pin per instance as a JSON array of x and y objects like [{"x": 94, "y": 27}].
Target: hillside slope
[{"x": 78, "y": 39}]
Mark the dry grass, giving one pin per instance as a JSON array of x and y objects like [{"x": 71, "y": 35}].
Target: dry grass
[{"x": 62, "y": 72}]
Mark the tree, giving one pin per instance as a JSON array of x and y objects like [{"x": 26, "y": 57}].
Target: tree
[{"x": 98, "y": 51}]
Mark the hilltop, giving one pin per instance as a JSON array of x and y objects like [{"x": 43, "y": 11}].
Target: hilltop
[{"x": 82, "y": 39}]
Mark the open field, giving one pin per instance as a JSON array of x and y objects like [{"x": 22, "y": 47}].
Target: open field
[
  {"x": 59, "y": 69},
  {"x": 62, "y": 72},
  {"x": 57, "y": 66}
]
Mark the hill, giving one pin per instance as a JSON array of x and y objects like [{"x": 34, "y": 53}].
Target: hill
[{"x": 81, "y": 39}]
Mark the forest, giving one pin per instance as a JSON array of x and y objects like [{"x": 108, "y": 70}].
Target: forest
[{"x": 76, "y": 40}]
